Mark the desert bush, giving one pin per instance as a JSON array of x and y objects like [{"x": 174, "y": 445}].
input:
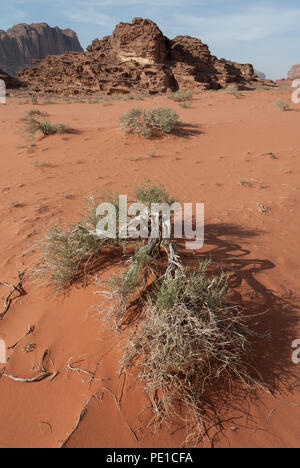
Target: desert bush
[
  {"x": 34, "y": 112},
  {"x": 188, "y": 339},
  {"x": 150, "y": 192},
  {"x": 32, "y": 126},
  {"x": 185, "y": 105},
  {"x": 187, "y": 336},
  {"x": 34, "y": 100},
  {"x": 145, "y": 123},
  {"x": 181, "y": 96},
  {"x": 283, "y": 106},
  {"x": 66, "y": 254},
  {"x": 234, "y": 90}
]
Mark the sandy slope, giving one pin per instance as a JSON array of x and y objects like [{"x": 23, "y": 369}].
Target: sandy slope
[{"x": 227, "y": 142}]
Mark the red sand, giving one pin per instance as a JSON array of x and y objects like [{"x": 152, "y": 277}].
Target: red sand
[{"x": 228, "y": 141}]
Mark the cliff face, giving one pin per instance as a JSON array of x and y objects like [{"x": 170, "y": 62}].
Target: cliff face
[
  {"x": 22, "y": 43},
  {"x": 137, "y": 57}
]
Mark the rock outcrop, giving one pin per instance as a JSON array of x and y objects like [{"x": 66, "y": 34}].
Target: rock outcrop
[
  {"x": 294, "y": 72},
  {"x": 136, "y": 58},
  {"x": 10, "y": 81},
  {"x": 22, "y": 43}
]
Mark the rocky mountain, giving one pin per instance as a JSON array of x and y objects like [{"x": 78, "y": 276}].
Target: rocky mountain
[
  {"x": 294, "y": 72},
  {"x": 22, "y": 43},
  {"x": 138, "y": 58}
]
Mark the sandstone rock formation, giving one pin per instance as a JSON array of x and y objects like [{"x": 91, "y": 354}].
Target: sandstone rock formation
[
  {"x": 23, "y": 43},
  {"x": 294, "y": 72},
  {"x": 10, "y": 82},
  {"x": 137, "y": 58}
]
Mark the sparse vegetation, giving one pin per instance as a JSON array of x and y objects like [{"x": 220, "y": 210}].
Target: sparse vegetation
[
  {"x": 34, "y": 100},
  {"x": 181, "y": 96},
  {"x": 32, "y": 125},
  {"x": 146, "y": 123},
  {"x": 36, "y": 112},
  {"x": 187, "y": 335},
  {"x": 234, "y": 90},
  {"x": 185, "y": 105},
  {"x": 283, "y": 106}
]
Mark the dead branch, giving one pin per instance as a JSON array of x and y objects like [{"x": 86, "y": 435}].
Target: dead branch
[
  {"x": 91, "y": 374},
  {"x": 29, "y": 331},
  {"x": 38, "y": 378},
  {"x": 8, "y": 299}
]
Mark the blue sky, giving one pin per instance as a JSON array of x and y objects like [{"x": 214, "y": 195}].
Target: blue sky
[{"x": 265, "y": 33}]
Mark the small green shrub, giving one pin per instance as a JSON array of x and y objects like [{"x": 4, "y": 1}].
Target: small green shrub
[{"x": 145, "y": 123}]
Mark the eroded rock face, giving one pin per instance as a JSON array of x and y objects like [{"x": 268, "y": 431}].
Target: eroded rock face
[
  {"x": 22, "y": 43},
  {"x": 294, "y": 72},
  {"x": 136, "y": 58},
  {"x": 10, "y": 81}
]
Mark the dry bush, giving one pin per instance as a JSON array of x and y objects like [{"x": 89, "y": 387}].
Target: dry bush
[
  {"x": 32, "y": 125},
  {"x": 234, "y": 90},
  {"x": 186, "y": 337},
  {"x": 181, "y": 96},
  {"x": 145, "y": 123},
  {"x": 283, "y": 106}
]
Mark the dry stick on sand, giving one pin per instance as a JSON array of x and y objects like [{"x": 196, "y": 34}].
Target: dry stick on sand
[
  {"x": 29, "y": 331},
  {"x": 8, "y": 300},
  {"x": 38, "y": 378},
  {"x": 91, "y": 374}
]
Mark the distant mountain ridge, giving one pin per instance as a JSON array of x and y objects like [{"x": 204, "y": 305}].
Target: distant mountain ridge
[{"x": 22, "y": 43}]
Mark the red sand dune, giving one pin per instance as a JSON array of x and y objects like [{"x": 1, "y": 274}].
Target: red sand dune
[{"x": 228, "y": 142}]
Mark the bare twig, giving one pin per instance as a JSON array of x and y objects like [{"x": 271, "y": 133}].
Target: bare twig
[
  {"x": 17, "y": 287},
  {"x": 29, "y": 331},
  {"x": 38, "y": 378},
  {"x": 91, "y": 374}
]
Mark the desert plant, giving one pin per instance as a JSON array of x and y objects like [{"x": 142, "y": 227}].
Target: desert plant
[
  {"x": 283, "y": 106},
  {"x": 32, "y": 126},
  {"x": 149, "y": 193},
  {"x": 144, "y": 123},
  {"x": 187, "y": 335},
  {"x": 34, "y": 112},
  {"x": 234, "y": 90},
  {"x": 181, "y": 96},
  {"x": 185, "y": 105},
  {"x": 67, "y": 253},
  {"x": 34, "y": 100}
]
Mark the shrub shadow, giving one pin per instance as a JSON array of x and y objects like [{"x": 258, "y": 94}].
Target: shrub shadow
[{"x": 272, "y": 316}]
